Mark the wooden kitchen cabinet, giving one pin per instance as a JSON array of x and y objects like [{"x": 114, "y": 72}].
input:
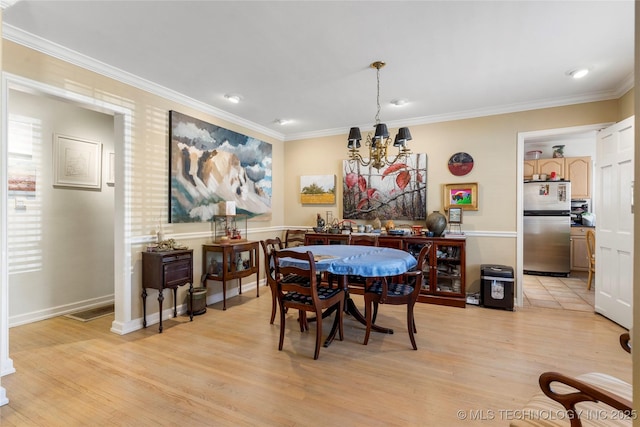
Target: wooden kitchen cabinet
[
  {"x": 530, "y": 169},
  {"x": 544, "y": 166},
  {"x": 579, "y": 254},
  {"x": 578, "y": 171},
  {"x": 574, "y": 169}
]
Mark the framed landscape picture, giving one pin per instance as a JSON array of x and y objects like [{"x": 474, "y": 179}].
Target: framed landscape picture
[
  {"x": 464, "y": 196},
  {"x": 318, "y": 189}
]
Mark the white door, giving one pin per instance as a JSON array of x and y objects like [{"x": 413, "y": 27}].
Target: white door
[{"x": 614, "y": 223}]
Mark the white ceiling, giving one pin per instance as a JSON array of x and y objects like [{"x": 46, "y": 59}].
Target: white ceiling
[{"x": 308, "y": 61}]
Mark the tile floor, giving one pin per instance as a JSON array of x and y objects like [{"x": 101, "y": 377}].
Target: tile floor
[{"x": 568, "y": 293}]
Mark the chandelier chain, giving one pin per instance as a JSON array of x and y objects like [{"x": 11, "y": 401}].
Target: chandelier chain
[{"x": 378, "y": 96}]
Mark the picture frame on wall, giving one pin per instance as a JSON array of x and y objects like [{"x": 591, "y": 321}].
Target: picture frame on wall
[
  {"x": 77, "y": 162},
  {"x": 111, "y": 169},
  {"x": 464, "y": 196},
  {"x": 455, "y": 215},
  {"x": 209, "y": 164},
  {"x": 318, "y": 189}
]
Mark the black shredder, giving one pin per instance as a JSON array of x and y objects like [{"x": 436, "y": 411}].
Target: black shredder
[{"x": 496, "y": 290}]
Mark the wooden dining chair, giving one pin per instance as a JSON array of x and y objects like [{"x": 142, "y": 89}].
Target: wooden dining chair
[
  {"x": 591, "y": 254},
  {"x": 268, "y": 248},
  {"x": 356, "y": 283},
  {"x": 298, "y": 288},
  {"x": 364, "y": 240},
  {"x": 293, "y": 238},
  {"x": 402, "y": 290}
]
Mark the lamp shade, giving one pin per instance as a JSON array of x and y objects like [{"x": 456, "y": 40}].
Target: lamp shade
[
  {"x": 402, "y": 137},
  {"x": 354, "y": 138},
  {"x": 381, "y": 131}
]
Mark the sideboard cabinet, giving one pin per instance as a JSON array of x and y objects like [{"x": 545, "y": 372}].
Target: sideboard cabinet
[
  {"x": 326, "y": 239},
  {"x": 444, "y": 280},
  {"x": 227, "y": 261}
]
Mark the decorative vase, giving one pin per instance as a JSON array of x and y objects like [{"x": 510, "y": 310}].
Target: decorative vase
[
  {"x": 389, "y": 225},
  {"x": 436, "y": 223},
  {"x": 558, "y": 151},
  {"x": 377, "y": 225}
]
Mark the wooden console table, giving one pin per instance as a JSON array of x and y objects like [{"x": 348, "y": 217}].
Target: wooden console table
[
  {"x": 168, "y": 269},
  {"x": 228, "y": 261}
]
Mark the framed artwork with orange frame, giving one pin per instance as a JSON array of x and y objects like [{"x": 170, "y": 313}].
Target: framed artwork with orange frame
[{"x": 463, "y": 196}]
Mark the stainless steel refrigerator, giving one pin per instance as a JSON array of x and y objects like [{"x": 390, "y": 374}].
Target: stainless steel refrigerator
[{"x": 547, "y": 227}]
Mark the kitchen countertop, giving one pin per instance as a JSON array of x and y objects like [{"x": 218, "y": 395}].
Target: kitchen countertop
[{"x": 573, "y": 224}]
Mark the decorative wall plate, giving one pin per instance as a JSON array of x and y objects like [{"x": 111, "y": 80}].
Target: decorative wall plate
[{"x": 460, "y": 164}]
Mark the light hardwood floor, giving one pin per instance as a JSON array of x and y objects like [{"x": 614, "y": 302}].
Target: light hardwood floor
[{"x": 224, "y": 368}]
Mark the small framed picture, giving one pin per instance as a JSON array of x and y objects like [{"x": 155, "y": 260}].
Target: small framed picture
[
  {"x": 463, "y": 196},
  {"x": 455, "y": 215}
]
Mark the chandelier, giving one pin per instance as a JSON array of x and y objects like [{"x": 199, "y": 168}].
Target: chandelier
[{"x": 380, "y": 142}]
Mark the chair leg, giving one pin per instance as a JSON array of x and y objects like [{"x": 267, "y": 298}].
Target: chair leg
[
  {"x": 302, "y": 319},
  {"x": 318, "y": 334},
  {"x": 281, "y": 327},
  {"x": 274, "y": 304},
  {"x": 589, "y": 279},
  {"x": 375, "y": 312},
  {"x": 411, "y": 325},
  {"x": 368, "y": 308},
  {"x": 340, "y": 315}
]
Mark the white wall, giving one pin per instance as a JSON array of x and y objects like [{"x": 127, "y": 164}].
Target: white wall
[{"x": 61, "y": 241}]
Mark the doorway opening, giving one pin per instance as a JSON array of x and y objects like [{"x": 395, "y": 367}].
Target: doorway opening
[
  {"x": 122, "y": 119},
  {"x": 577, "y": 141}
]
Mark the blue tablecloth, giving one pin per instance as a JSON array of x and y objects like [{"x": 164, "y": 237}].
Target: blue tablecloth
[{"x": 368, "y": 261}]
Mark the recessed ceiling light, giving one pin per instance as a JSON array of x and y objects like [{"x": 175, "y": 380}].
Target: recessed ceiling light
[
  {"x": 578, "y": 73},
  {"x": 399, "y": 102},
  {"x": 233, "y": 97},
  {"x": 282, "y": 122}
]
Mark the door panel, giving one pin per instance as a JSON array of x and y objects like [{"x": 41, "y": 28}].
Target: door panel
[{"x": 614, "y": 223}]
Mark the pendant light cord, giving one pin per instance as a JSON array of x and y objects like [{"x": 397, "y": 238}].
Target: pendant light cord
[{"x": 378, "y": 96}]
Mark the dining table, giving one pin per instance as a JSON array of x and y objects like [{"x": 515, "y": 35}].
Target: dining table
[{"x": 354, "y": 260}]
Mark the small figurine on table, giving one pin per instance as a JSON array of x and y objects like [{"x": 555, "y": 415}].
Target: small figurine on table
[{"x": 319, "y": 221}]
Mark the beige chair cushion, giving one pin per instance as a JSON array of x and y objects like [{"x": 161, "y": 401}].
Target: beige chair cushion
[{"x": 542, "y": 411}]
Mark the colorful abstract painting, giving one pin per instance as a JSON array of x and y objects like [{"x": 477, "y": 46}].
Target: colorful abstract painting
[
  {"x": 210, "y": 164},
  {"x": 394, "y": 192}
]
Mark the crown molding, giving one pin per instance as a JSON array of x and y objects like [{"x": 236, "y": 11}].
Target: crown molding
[
  {"x": 55, "y": 50},
  {"x": 626, "y": 85}
]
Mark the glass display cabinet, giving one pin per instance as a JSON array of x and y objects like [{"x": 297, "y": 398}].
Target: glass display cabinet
[
  {"x": 443, "y": 280},
  {"x": 229, "y": 260}
]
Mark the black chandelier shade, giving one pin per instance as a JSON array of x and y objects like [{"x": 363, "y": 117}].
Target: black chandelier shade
[
  {"x": 354, "y": 138},
  {"x": 402, "y": 137},
  {"x": 381, "y": 132}
]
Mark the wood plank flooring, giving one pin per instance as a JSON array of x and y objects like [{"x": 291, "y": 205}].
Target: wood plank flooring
[{"x": 224, "y": 368}]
